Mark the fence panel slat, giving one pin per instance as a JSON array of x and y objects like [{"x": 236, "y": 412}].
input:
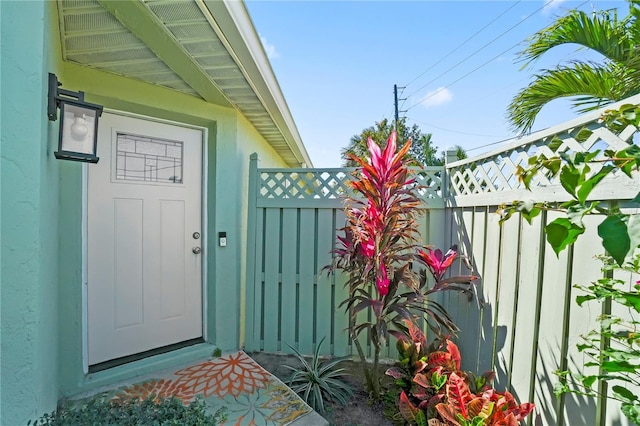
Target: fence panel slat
[
  {"x": 259, "y": 281},
  {"x": 323, "y": 289},
  {"x": 489, "y": 285},
  {"x": 467, "y": 318},
  {"x": 341, "y": 343},
  {"x": 289, "y": 281},
  {"x": 271, "y": 280},
  {"x": 578, "y": 409},
  {"x": 477, "y": 258},
  {"x": 307, "y": 302},
  {"x": 526, "y": 306},
  {"x": 506, "y": 301},
  {"x": 550, "y": 331}
]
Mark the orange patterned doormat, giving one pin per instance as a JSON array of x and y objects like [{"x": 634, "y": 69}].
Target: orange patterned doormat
[{"x": 251, "y": 395}]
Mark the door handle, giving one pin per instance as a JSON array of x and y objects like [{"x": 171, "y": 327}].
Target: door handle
[{"x": 196, "y": 250}]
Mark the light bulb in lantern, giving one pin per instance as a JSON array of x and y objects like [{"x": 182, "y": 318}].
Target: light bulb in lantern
[{"x": 79, "y": 128}]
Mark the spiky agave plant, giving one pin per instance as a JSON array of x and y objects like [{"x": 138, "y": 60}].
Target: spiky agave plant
[{"x": 318, "y": 382}]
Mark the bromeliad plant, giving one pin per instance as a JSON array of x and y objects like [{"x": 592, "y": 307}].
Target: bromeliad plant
[
  {"x": 378, "y": 250},
  {"x": 435, "y": 392},
  {"x": 318, "y": 382}
]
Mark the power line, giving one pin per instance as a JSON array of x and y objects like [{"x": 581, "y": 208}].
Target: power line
[
  {"x": 493, "y": 143},
  {"x": 464, "y": 76},
  {"x": 453, "y": 131},
  {"x": 463, "y": 43},
  {"x": 480, "y": 66},
  {"x": 480, "y": 49}
]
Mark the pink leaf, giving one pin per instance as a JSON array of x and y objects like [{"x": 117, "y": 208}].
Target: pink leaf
[
  {"x": 458, "y": 393},
  {"x": 407, "y": 409},
  {"x": 394, "y": 372},
  {"x": 455, "y": 353}
]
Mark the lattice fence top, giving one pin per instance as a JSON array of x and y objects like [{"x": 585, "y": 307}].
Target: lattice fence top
[
  {"x": 496, "y": 170},
  {"x": 330, "y": 184},
  {"x": 304, "y": 183}
]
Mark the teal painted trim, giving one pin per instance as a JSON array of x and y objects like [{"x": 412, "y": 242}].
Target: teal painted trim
[
  {"x": 249, "y": 342},
  {"x": 145, "y": 367},
  {"x": 70, "y": 280},
  {"x": 212, "y": 239}
]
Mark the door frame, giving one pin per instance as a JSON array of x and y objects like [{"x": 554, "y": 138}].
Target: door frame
[{"x": 85, "y": 233}]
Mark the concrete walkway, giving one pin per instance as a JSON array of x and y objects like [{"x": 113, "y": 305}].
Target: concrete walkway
[{"x": 250, "y": 395}]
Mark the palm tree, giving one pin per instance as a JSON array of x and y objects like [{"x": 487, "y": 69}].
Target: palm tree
[{"x": 590, "y": 84}]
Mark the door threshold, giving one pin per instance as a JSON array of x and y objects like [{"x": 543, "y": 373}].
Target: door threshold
[{"x": 146, "y": 354}]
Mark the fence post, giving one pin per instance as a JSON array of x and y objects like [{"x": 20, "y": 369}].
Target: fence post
[
  {"x": 249, "y": 326},
  {"x": 451, "y": 155}
]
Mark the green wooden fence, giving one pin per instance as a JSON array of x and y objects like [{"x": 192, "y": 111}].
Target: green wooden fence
[
  {"x": 294, "y": 218},
  {"x": 524, "y": 324}
]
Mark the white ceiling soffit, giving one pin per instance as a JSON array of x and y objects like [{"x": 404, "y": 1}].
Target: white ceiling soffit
[{"x": 207, "y": 49}]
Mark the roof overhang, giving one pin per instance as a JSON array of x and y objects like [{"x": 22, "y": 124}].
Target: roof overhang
[{"x": 205, "y": 48}]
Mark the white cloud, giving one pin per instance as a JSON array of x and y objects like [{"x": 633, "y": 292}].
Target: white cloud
[
  {"x": 269, "y": 48},
  {"x": 551, "y": 6},
  {"x": 440, "y": 96}
]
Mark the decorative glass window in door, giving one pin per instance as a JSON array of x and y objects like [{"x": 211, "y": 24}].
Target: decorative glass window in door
[{"x": 140, "y": 158}]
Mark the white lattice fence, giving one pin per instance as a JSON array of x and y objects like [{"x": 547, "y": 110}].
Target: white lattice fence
[{"x": 496, "y": 170}]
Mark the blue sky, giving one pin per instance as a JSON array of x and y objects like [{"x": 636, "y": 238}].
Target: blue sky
[{"x": 337, "y": 62}]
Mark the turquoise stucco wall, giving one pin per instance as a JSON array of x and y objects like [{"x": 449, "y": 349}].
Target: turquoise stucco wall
[{"x": 29, "y": 191}]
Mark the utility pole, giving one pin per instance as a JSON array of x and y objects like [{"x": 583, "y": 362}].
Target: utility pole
[{"x": 395, "y": 102}]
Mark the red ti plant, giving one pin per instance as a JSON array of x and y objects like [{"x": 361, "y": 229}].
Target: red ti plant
[
  {"x": 433, "y": 387},
  {"x": 377, "y": 251}
]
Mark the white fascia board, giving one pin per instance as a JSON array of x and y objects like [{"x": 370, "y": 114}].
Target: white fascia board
[{"x": 236, "y": 27}]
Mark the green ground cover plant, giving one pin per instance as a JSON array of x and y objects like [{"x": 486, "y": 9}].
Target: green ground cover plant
[{"x": 151, "y": 411}]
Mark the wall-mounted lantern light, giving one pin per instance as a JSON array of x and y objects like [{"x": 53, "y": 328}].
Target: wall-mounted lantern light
[{"x": 78, "y": 123}]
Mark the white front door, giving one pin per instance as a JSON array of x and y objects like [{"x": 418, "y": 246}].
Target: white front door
[{"x": 144, "y": 223}]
